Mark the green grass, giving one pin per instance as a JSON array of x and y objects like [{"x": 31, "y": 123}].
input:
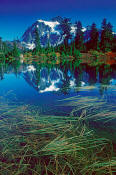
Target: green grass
[{"x": 31, "y": 143}]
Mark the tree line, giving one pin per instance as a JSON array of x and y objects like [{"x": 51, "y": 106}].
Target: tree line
[
  {"x": 98, "y": 39},
  {"x": 91, "y": 39}
]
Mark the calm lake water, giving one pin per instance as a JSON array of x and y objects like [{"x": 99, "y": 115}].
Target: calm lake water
[{"x": 44, "y": 87}]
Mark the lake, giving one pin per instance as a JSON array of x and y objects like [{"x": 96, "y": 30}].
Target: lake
[{"x": 57, "y": 90}]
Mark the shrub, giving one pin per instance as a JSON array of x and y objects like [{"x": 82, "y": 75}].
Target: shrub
[
  {"x": 111, "y": 54},
  {"x": 2, "y": 57},
  {"x": 76, "y": 53}
]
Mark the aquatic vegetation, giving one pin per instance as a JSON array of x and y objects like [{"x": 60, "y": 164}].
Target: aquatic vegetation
[
  {"x": 31, "y": 143},
  {"x": 76, "y": 142}
]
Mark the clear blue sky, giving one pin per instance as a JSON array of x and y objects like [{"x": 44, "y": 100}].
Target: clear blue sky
[{"x": 17, "y": 15}]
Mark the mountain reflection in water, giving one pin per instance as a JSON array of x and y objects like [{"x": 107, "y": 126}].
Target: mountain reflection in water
[{"x": 45, "y": 86}]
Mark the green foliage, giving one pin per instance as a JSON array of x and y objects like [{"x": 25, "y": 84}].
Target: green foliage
[
  {"x": 53, "y": 55},
  {"x": 3, "y": 47},
  {"x": 34, "y": 144},
  {"x": 79, "y": 38},
  {"x": 2, "y": 57},
  {"x": 76, "y": 54},
  {"x": 63, "y": 54},
  {"x": 1, "y": 44},
  {"x": 96, "y": 53},
  {"x": 94, "y": 37},
  {"x": 96, "y": 42},
  {"x": 37, "y": 42},
  {"x": 106, "y": 36},
  {"x": 15, "y": 51},
  {"x": 66, "y": 30}
]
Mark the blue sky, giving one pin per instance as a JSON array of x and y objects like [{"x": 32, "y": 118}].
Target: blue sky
[{"x": 17, "y": 15}]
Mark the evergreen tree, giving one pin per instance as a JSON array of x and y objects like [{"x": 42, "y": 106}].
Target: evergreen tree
[
  {"x": 5, "y": 48},
  {"x": 48, "y": 44},
  {"x": 114, "y": 45},
  {"x": 103, "y": 35},
  {"x": 110, "y": 35},
  {"x": 104, "y": 24},
  {"x": 1, "y": 44},
  {"x": 66, "y": 30},
  {"x": 106, "y": 36},
  {"x": 94, "y": 37},
  {"x": 79, "y": 38},
  {"x": 15, "y": 51},
  {"x": 37, "y": 42}
]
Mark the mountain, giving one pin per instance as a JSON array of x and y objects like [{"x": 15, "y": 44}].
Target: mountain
[
  {"x": 49, "y": 31},
  {"x": 10, "y": 44},
  {"x": 51, "y": 81}
]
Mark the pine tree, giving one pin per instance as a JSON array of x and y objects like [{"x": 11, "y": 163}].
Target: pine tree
[
  {"x": 94, "y": 37},
  {"x": 48, "y": 44},
  {"x": 104, "y": 23},
  {"x": 5, "y": 48},
  {"x": 1, "y": 45},
  {"x": 66, "y": 30},
  {"x": 106, "y": 36},
  {"x": 15, "y": 51},
  {"x": 79, "y": 38},
  {"x": 37, "y": 42},
  {"x": 103, "y": 35},
  {"x": 110, "y": 35}
]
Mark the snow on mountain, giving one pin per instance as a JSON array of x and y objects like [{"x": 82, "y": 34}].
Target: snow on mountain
[
  {"x": 51, "y": 24},
  {"x": 29, "y": 68},
  {"x": 29, "y": 46},
  {"x": 48, "y": 81},
  {"x": 84, "y": 29},
  {"x": 53, "y": 80},
  {"x": 52, "y": 87},
  {"x": 49, "y": 31},
  {"x": 73, "y": 29}
]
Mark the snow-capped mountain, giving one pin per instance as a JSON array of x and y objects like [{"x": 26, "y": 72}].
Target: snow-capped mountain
[
  {"x": 51, "y": 80},
  {"x": 49, "y": 31}
]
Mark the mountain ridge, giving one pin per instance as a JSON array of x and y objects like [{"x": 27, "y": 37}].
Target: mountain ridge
[{"x": 49, "y": 31}]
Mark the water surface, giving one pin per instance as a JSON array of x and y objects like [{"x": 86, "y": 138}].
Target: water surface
[{"x": 45, "y": 87}]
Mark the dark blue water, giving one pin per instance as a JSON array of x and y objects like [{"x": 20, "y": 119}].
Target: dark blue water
[
  {"x": 62, "y": 91},
  {"x": 45, "y": 87}
]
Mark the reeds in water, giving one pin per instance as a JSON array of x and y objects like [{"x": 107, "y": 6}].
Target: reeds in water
[{"x": 31, "y": 143}]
